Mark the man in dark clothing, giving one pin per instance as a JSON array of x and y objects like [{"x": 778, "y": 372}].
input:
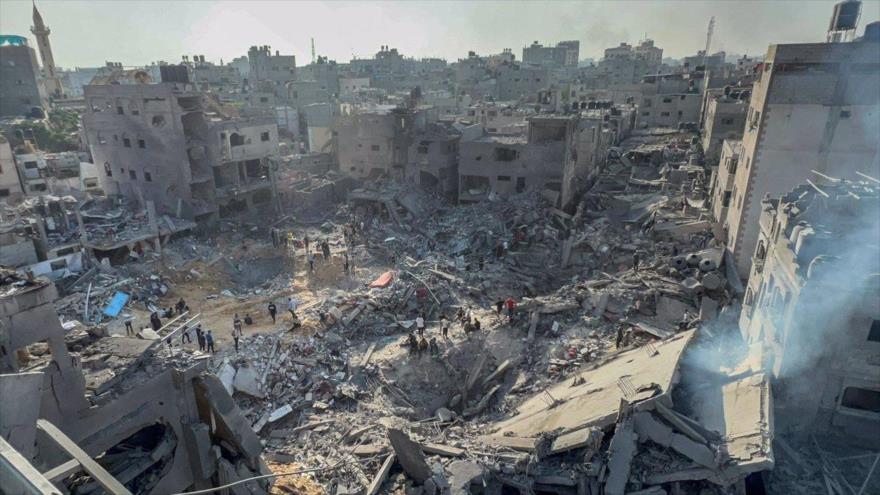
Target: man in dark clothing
[
  {"x": 184, "y": 336},
  {"x": 435, "y": 349},
  {"x": 477, "y": 325},
  {"x": 413, "y": 343},
  {"x": 423, "y": 346},
  {"x": 129, "y": 330},
  {"x": 235, "y": 338},
  {"x": 181, "y": 304},
  {"x": 325, "y": 248},
  {"x": 619, "y": 339},
  {"x": 209, "y": 342},
  {"x": 636, "y": 261},
  {"x": 155, "y": 322},
  {"x": 200, "y": 337},
  {"x": 499, "y": 306},
  {"x": 272, "y": 311}
]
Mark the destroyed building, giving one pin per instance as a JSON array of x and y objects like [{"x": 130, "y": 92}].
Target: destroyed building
[
  {"x": 813, "y": 107},
  {"x": 167, "y": 143},
  {"x": 812, "y": 305},
  {"x": 176, "y": 429}
]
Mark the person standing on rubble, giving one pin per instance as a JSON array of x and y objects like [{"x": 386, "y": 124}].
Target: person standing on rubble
[
  {"x": 619, "y": 339},
  {"x": 635, "y": 261},
  {"x": 129, "y": 330},
  {"x": 209, "y": 342},
  {"x": 511, "y": 306},
  {"x": 435, "y": 349},
  {"x": 413, "y": 343},
  {"x": 272, "y": 310},
  {"x": 236, "y": 325},
  {"x": 235, "y": 337},
  {"x": 291, "y": 306},
  {"x": 444, "y": 327},
  {"x": 499, "y": 307},
  {"x": 420, "y": 324},
  {"x": 200, "y": 337},
  {"x": 311, "y": 259},
  {"x": 181, "y": 305},
  {"x": 325, "y": 250},
  {"x": 155, "y": 322},
  {"x": 184, "y": 336},
  {"x": 306, "y": 242},
  {"x": 423, "y": 346}
]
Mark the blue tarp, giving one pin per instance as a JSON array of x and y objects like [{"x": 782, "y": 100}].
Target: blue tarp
[{"x": 116, "y": 304}]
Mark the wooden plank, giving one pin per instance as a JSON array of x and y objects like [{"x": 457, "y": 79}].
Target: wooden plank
[
  {"x": 63, "y": 471},
  {"x": 98, "y": 473},
  {"x": 440, "y": 449},
  {"x": 381, "y": 475}
]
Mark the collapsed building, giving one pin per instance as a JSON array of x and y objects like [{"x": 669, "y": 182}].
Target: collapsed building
[{"x": 160, "y": 432}]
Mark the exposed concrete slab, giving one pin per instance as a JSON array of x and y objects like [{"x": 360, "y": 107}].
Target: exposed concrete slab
[
  {"x": 649, "y": 428},
  {"x": 635, "y": 376},
  {"x": 231, "y": 424},
  {"x": 586, "y": 437},
  {"x": 410, "y": 456},
  {"x": 21, "y": 394},
  {"x": 461, "y": 475}
]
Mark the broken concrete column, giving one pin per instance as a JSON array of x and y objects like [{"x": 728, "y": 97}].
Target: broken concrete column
[
  {"x": 649, "y": 428},
  {"x": 620, "y": 456},
  {"x": 410, "y": 456}
]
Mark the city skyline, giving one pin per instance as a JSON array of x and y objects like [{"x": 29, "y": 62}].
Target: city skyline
[{"x": 343, "y": 30}]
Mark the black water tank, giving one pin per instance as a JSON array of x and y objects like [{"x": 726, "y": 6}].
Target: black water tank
[
  {"x": 872, "y": 32},
  {"x": 846, "y": 16}
]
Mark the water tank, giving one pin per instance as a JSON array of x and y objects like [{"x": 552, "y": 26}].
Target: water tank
[
  {"x": 845, "y": 16},
  {"x": 872, "y": 32}
]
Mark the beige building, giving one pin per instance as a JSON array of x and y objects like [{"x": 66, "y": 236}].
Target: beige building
[
  {"x": 10, "y": 184},
  {"x": 812, "y": 306},
  {"x": 816, "y": 107}
]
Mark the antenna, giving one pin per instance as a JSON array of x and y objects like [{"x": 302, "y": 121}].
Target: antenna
[
  {"x": 313, "y": 50},
  {"x": 708, "y": 40}
]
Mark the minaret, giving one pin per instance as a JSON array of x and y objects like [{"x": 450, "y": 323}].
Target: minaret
[{"x": 41, "y": 32}]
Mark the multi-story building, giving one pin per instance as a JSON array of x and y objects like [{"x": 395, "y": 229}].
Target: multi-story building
[
  {"x": 669, "y": 109},
  {"x": 625, "y": 64},
  {"x": 157, "y": 142},
  {"x": 213, "y": 76},
  {"x": 814, "y": 107},
  {"x": 276, "y": 69},
  {"x": 518, "y": 81},
  {"x": 723, "y": 176},
  {"x": 564, "y": 54},
  {"x": 812, "y": 306},
  {"x": 21, "y": 88},
  {"x": 505, "y": 165},
  {"x": 375, "y": 142},
  {"x": 724, "y": 118},
  {"x": 10, "y": 183}
]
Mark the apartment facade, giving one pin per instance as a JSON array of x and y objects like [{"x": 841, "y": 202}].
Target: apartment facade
[
  {"x": 814, "y": 107},
  {"x": 724, "y": 118},
  {"x": 155, "y": 142},
  {"x": 812, "y": 306}
]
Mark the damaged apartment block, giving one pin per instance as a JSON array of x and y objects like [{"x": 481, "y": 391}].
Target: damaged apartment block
[{"x": 171, "y": 144}]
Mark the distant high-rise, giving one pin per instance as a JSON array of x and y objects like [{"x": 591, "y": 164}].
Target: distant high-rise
[{"x": 41, "y": 32}]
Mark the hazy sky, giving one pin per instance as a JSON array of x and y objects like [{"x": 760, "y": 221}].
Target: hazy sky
[{"x": 88, "y": 33}]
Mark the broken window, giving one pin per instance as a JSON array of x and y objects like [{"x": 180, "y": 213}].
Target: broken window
[
  {"x": 264, "y": 99},
  {"x": 264, "y": 136},
  {"x": 423, "y": 150},
  {"x": 126, "y": 142},
  {"x": 667, "y": 100},
  {"x": 862, "y": 399},
  {"x": 664, "y": 114},
  {"x": 520, "y": 184},
  {"x": 375, "y": 147},
  {"x": 874, "y": 332},
  {"x": 38, "y": 187},
  {"x": 158, "y": 120},
  {"x": 236, "y": 139},
  {"x": 57, "y": 265},
  {"x": 4, "y": 193},
  {"x": 503, "y": 178},
  {"x": 725, "y": 200},
  {"x": 845, "y": 114},
  {"x": 148, "y": 177},
  {"x": 132, "y": 175},
  {"x": 120, "y": 110},
  {"x": 142, "y": 143},
  {"x": 505, "y": 154},
  {"x": 727, "y": 121}
]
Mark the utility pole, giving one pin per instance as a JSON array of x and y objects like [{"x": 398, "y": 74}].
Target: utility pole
[{"x": 313, "y": 49}]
